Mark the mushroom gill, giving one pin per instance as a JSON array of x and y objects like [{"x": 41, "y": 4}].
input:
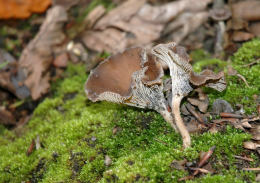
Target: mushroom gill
[{"x": 132, "y": 77}]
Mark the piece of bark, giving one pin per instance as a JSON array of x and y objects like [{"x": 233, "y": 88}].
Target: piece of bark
[{"x": 37, "y": 57}]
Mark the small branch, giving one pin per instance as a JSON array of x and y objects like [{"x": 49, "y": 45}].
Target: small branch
[
  {"x": 244, "y": 158},
  {"x": 176, "y": 100},
  {"x": 252, "y": 63},
  {"x": 251, "y": 169},
  {"x": 243, "y": 79}
]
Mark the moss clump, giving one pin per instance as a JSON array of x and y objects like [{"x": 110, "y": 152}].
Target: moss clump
[
  {"x": 237, "y": 91},
  {"x": 77, "y": 134}
]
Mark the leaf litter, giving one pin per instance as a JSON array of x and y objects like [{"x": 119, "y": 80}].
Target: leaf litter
[{"x": 134, "y": 23}]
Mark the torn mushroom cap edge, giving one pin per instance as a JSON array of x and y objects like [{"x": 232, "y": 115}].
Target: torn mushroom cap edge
[
  {"x": 205, "y": 78},
  {"x": 111, "y": 80}
]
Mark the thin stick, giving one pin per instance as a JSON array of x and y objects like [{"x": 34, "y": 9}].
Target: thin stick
[
  {"x": 176, "y": 100},
  {"x": 244, "y": 158},
  {"x": 251, "y": 169},
  {"x": 243, "y": 79}
]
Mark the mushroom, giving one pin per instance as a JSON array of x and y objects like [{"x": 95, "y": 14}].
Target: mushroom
[
  {"x": 183, "y": 80},
  {"x": 132, "y": 77}
]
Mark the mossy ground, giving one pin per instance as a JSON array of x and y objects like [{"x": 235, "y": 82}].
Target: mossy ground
[
  {"x": 237, "y": 92},
  {"x": 76, "y": 134}
]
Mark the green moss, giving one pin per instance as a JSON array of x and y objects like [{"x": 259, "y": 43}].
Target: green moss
[
  {"x": 77, "y": 134},
  {"x": 237, "y": 91}
]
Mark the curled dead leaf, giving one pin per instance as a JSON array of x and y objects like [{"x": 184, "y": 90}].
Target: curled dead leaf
[
  {"x": 22, "y": 9},
  {"x": 37, "y": 57}
]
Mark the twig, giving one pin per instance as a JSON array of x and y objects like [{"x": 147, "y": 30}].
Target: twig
[
  {"x": 244, "y": 158},
  {"x": 161, "y": 141},
  {"x": 230, "y": 115},
  {"x": 243, "y": 79},
  {"x": 252, "y": 169},
  {"x": 202, "y": 170},
  {"x": 252, "y": 63}
]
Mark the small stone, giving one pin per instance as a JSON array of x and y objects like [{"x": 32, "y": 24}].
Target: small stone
[
  {"x": 61, "y": 60},
  {"x": 220, "y": 105},
  {"x": 108, "y": 160},
  {"x": 93, "y": 138}
]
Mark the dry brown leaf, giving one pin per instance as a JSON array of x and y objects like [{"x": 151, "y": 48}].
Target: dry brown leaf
[
  {"x": 255, "y": 28},
  {"x": 65, "y": 3},
  {"x": 94, "y": 15},
  {"x": 136, "y": 23},
  {"x": 22, "y": 8},
  {"x": 61, "y": 60},
  {"x": 202, "y": 105},
  {"x": 6, "y": 117},
  {"x": 185, "y": 24},
  {"x": 251, "y": 145},
  {"x": 242, "y": 36},
  {"x": 124, "y": 12},
  {"x": 247, "y": 10},
  {"x": 178, "y": 164},
  {"x": 38, "y": 55}
]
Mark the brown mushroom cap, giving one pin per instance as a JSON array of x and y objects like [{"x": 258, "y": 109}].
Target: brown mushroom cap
[
  {"x": 209, "y": 79},
  {"x": 114, "y": 75}
]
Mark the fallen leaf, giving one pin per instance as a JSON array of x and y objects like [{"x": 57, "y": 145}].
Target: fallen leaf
[
  {"x": 37, "y": 57},
  {"x": 242, "y": 36},
  {"x": 61, "y": 60},
  {"x": 65, "y": 3},
  {"x": 178, "y": 165},
  {"x": 22, "y": 8},
  {"x": 257, "y": 179},
  {"x": 251, "y": 145},
  {"x": 204, "y": 158},
  {"x": 196, "y": 114},
  {"x": 6, "y": 117},
  {"x": 94, "y": 15},
  {"x": 247, "y": 10},
  {"x": 193, "y": 126},
  {"x": 31, "y": 148},
  {"x": 135, "y": 22},
  {"x": 202, "y": 105},
  {"x": 254, "y": 28}
]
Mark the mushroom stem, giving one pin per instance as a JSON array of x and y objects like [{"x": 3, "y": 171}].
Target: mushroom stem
[
  {"x": 168, "y": 118},
  {"x": 176, "y": 100}
]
